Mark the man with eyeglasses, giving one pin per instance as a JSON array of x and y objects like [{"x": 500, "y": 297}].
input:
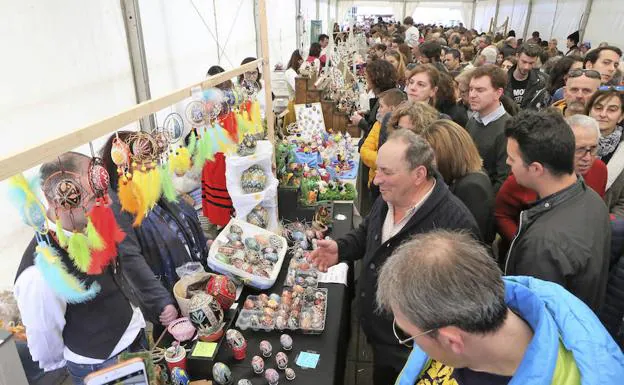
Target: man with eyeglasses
[
  {"x": 580, "y": 86},
  {"x": 414, "y": 199},
  {"x": 469, "y": 325},
  {"x": 564, "y": 236}
]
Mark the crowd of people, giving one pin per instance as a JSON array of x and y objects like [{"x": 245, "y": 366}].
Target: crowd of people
[{"x": 492, "y": 245}]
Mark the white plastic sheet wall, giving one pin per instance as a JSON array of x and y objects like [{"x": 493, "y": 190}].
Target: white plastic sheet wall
[
  {"x": 483, "y": 14},
  {"x": 65, "y": 66},
  {"x": 606, "y": 23},
  {"x": 516, "y": 10}
]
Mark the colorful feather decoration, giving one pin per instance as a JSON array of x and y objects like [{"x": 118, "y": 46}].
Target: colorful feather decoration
[
  {"x": 21, "y": 194},
  {"x": 104, "y": 222},
  {"x": 128, "y": 200},
  {"x": 95, "y": 241},
  {"x": 228, "y": 122},
  {"x": 60, "y": 234},
  {"x": 225, "y": 144},
  {"x": 180, "y": 161},
  {"x": 192, "y": 143},
  {"x": 65, "y": 285},
  {"x": 141, "y": 183},
  {"x": 256, "y": 117},
  {"x": 168, "y": 190},
  {"x": 242, "y": 126},
  {"x": 78, "y": 250}
]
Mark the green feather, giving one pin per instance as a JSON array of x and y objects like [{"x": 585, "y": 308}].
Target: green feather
[
  {"x": 95, "y": 240},
  {"x": 78, "y": 250},
  {"x": 167, "y": 185},
  {"x": 62, "y": 238},
  {"x": 192, "y": 143}
]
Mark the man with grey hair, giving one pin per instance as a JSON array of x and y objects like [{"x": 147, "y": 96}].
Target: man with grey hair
[
  {"x": 469, "y": 325},
  {"x": 414, "y": 199},
  {"x": 586, "y": 135}
]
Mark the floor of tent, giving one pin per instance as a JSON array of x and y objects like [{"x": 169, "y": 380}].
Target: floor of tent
[{"x": 359, "y": 368}]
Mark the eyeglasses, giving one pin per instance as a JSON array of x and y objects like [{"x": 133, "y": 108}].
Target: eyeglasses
[
  {"x": 575, "y": 73},
  {"x": 611, "y": 88},
  {"x": 409, "y": 340},
  {"x": 582, "y": 151}
]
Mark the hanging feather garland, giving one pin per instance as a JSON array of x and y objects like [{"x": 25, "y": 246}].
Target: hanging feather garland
[
  {"x": 21, "y": 193},
  {"x": 256, "y": 118},
  {"x": 225, "y": 144},
  {"x": 192, "y": 143},
  {"x": 65, "y": 285},
  {"x": 228, "y": 122},
  {"x": 243, "y": 127},
  {"x": 95, "y": 241},
  {"x": 154, "y": 187},
  {"x": 78, "y": 250},
  {"x": 103, "y": 220},
  {"x": 168, "y": 190},
  {"x": 129, "y": 201},
  {"x": 60, "y": 234}
]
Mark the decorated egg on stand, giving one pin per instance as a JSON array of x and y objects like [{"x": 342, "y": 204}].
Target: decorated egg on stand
[
  {"x": 266, "y": 348},
  {"x": 257, "y": 364},
  {"x": 271, "y": 376},
  {"x": 243, "y": 381},
  {"x": 281, "y": 359},
  {"x": 207, "y": 316},
  {"x": 290, "y": 374},
  {"x": 286, "y": 341},
  {"x": 222, "y": 289},
  {"x": 247, "y": 146},
  {"x": 253, "y": 180},
  {"x": 221, "y": 374}
]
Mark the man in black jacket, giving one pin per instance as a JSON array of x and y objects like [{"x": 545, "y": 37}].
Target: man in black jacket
[
  {"x": 565, "y": 237},
  {"x": 414, "y": 199},
  {"x": 526, "y": 85}
]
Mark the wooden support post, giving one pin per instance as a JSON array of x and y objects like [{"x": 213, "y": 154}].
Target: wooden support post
[{"x": 266, "y": 70}]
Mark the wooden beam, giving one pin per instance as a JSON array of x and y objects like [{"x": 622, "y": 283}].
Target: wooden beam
[
  {"x": 266, "y": 70},
  {"x": 42, "y": 152}
]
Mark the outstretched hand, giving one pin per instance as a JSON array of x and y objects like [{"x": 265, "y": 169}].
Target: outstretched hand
[{"x": 325, "y": 256}]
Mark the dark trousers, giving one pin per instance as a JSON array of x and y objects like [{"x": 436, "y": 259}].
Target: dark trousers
[{"x": 384, "y": 375}]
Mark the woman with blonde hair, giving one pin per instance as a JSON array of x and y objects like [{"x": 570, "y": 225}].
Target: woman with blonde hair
[
  {"x": 395, "y": 58},
  {"x": 413, "y": 116},
  {"x": 461, "y": 166}
]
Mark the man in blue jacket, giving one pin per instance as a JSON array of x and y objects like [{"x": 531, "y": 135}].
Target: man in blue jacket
[{"x": 468, "y": 325}]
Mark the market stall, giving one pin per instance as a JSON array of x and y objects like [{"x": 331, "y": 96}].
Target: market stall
[{"x": 259, "y": 295}]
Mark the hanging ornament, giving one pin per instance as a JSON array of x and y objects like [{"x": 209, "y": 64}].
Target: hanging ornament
[{"x": 173, "y": 126}]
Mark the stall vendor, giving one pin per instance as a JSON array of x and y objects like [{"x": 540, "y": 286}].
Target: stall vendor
[{"x": 74, "y": 318}]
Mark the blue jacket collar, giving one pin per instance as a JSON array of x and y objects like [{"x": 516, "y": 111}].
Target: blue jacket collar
[{"x": 553, "y": 313}]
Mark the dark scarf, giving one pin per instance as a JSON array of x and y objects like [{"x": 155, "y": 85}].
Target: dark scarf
[{"x": 609, "y": 143}]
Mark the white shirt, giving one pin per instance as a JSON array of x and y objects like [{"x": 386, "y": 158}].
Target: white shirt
[
  {"x": 411, "y": 36},
  {"x": 492, "y": 116},
  {"x": 43, "y": 315},
  {"x": 390, "y": 229},
  {"x": 290, "y": 75}
]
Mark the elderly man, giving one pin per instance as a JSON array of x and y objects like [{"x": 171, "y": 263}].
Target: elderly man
[
  {"x": 512, "y": 198},
  {"x": 414, "y": 199},
  {"x": 580, "y": 87},
  {"x": 468, "y": 325},
  {"x": 565, "y": 236}
]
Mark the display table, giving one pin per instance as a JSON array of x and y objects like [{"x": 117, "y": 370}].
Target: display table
[{"x": 331, "y": 344}]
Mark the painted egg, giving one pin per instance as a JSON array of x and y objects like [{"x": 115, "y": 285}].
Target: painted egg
[
  {"x": 237, "y": 263},
  {"x": 268, "y": 311},
  {"x": 236, "y": 229},
  {"x": 262, "y": 239},
  {"x": 234, "y": 339},
  {"x": 265, "y": 348},
  {"x": 249, "y": 304},
  {"x": 233, "y": 237},
  {"x": 276, "y": 242},
  {"x": 244, "y": 381},
  {"x": 293, "y": 323},
  {"x": 272, "y": 257},
  {"x": 298, "y": 236},
  {"x": 280, "y": 322},
  {"x": 275, "y": 297},
  {"x": 252, "y": 244},
  {"x": 222, "y": 258},
  {"x": 179, "y": 376},
  {"x": 272, "y": 303},
  {"x": 281, "y": 359},
  {"x": 290, "y": 374},
  {"x": 257, "y": 363},
  {"x": 221, "y": 373},
  {"x": 263, "y": 298},
  {"x": 304, "y": 266},
  {"x": 286, "y": 341},
  {"x": 271, "y": 376}
]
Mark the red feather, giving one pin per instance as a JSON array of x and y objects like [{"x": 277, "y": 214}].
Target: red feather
[
  {"x": 228, "y": 122},
  {"x": 103, "y": 220}
]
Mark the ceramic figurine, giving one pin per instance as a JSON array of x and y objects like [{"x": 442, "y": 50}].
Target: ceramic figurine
[
  {"x": 286, "y": 341},
  {"x": 281, "y": 359},
  {"x": 179, "y": 376},
  {"x": 266, "y": 348},
  {"x": 221, "y": 374},
  {"x": 272, "y": 376},
  {"x": 290, "y": 374},
  {"x": 257, "y": 363}
]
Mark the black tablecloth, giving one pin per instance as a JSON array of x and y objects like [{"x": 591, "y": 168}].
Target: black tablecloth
[{"x": 331, "y": 344}]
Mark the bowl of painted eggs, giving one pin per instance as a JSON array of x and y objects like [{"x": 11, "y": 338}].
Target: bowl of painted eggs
[{"x": 249, "y": 252}]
